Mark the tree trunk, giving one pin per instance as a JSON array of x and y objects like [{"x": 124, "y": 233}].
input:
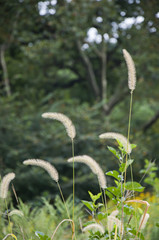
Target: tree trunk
[
  {"x": 103, "y": 77},
  {"x": 5, "y": 71},
  {"x": 151, "y": 122},
  {"x": 92, "y": 77}
]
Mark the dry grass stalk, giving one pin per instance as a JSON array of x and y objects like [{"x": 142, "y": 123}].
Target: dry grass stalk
[
  {"x": 144, "y": 215},
  {"x": 8, "y": 235},
  {"x": 45, "y": 165},
  {"x": 64, "y": 220},
  {"x": 70, "y": 129},
  {"x": 5, "y": 184},
  {"x": 93, "y": 165}
]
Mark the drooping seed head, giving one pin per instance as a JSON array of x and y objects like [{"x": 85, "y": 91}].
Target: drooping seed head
[
  {"x": 16, "y": 212},
  {"x": 131, "y": 70},
  {"x": 45, "y": 165},
  {"x": 94, "y": 226},
  {"x": 144, "y": 220},
  {"x": 93, "y": 165},
  {"x": 117, "y": 136},
  {"x": 113, "y": 220},
  {"x": 70, "y": 128},
  {"x": 5, "y": 184},
  {"x": 114, "y": 213}
]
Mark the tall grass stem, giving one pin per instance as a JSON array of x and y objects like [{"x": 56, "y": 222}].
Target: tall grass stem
[
  {"x": 129, "y": 125},
  {"x": 73, "y": 210}
]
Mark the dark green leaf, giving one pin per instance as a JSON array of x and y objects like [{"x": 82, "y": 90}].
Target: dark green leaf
[
  {"x": 116, "y": 153},
  {"x": 89, "y": 205},
  {"x": 134, "y": 186},
  {"x": 122, "y": 166},
  {"x": 114, "y": 174}
]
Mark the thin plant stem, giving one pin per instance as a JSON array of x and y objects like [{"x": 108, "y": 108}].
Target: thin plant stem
[
  {"x": 133, "y": 195},
  {"x": 8, "y": 217},
  {"x": 104, "y": 200},
  {"x": 8, "y": 235},
  {"x": 73, "y": 181},
  {"x": 72, "y": 224},
  {"x": 106, "y": 208},
  {"x": 18, "y": 203},
  {"x": 122, "y": 197},
  {"x": 15, "y": 194},
  {"x": 63, "y": 200},
  {"x": 129, "y": 125},
  {"x": 64, "y": 220},
  {"x": 115, "y": 236}
]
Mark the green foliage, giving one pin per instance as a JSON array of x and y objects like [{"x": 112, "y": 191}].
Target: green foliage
[
  {"x": 150, "y": 171},
  {"x": 134, "y": 186},
  {"x": 42, "y": 236},
  {"x": 118, "y": 195}
]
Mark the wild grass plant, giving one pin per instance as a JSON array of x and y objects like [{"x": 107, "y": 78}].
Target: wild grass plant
[{"x": 115, "y": 212}]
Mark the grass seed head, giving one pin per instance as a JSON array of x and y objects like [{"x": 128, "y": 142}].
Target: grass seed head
[
  {"x": 117, "y": 136},
  {"x": 70, "y": 128},
  {"x": 94, "y": 226},
  {"x": 5, "y": 184},
  {"x": 131, "y": 70},
  {"x": 93, "y": 165},
  {"x": 45, "y": 165}
]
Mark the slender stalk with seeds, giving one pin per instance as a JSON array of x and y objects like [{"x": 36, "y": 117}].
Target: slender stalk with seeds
[
  {"x": 131, "y": 85},
  {"x": 96, "y": 169},
  {"x": 51, "y": 171},
  {"x": 71, "y": 132}
]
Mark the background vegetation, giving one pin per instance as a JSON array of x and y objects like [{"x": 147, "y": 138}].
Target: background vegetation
[{"x": 66, "y": 56}]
